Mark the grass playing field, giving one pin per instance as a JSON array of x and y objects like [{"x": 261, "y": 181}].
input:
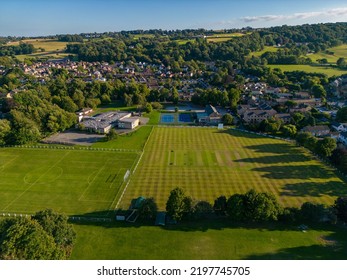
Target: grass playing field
[
  {"x": 207, "y": 240},
  {"x": 207, "y": 163},
  {"x": 66, "y": 180},
  {"x": 134, "y": 140}
]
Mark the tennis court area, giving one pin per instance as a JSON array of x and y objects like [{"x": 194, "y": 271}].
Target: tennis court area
[
  {"x": 167, "y": 118},
  {"x": 185, "y": 118}
]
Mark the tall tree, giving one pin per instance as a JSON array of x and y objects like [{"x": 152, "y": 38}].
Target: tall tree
[
  {"x": 340, "y": 207},
  {"x": 177, "y": 204}
]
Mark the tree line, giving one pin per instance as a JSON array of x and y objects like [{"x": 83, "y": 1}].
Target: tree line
[
  {"x": 251, "y": 206},
  {"x": 22, "y": 48}
]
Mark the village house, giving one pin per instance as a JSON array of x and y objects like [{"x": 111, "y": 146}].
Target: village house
[
  {"x": 343, "y": 138},
  {"x": 318, "y": 130},
  {"x": 257, "y": 116},
  {"x": 210, "y": 116},
  {"x": 341, "y": 127}
]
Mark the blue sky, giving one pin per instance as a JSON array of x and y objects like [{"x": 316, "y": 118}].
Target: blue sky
[{"x": 39, "y": 17}]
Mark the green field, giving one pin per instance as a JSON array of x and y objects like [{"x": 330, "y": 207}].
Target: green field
[
  {"x": 339, "y": 51},
  {"x": 207, "y": 240},
  {"x": 329, "y": 71},
  {"x": 217, "y": 38},
  {"x": 52, "y": 48},
  {"x": 67, "y": 180},
  {"x": 266, "y": 49},
  {"x": 208, "y": 163},
  {"x": 134, "y": 140}
]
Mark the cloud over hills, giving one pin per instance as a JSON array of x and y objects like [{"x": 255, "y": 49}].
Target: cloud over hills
[{"x": 327, "y": 13}]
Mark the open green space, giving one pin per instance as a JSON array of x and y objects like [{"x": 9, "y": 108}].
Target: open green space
[
  {"x": 331, "y": 54},
  {"x": 134, "y": 140},
  {"x": 329, "y": 71},
  {"x": 217, "y": 38},
  {"x": 46, "y": 48},
  {"x": 207, "y": 163},
  {"x": 207, "y": 240},
  {"x": 67, "y": 180},
  {"x": 266, "y": 49},
  {"x": 46, "y": 44}
]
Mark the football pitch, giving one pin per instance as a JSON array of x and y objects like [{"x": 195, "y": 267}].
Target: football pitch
[
  {"x": 207, "y": 163},
  {"x": 67, "y": 180}
]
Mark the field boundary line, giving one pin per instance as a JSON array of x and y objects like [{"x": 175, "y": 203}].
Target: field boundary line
[
  {"x": 133, "y": 171},
  {"x": 71, "y": 148},
  {"x": 28, "y": 188}
]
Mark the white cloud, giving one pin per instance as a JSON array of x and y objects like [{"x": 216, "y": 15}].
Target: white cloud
[{"x": 328, "y": 13}]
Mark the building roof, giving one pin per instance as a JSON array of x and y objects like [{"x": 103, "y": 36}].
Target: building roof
[
  {"x": 210, "y": 110},
  {"x": 316, "y": 128},
  {"x": 129, "y": 120}
]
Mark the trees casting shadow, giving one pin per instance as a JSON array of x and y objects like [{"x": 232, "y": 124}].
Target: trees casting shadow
[
  {"x": 334, "y": 247},
  {"x": 315, "y": 189},
  {"x": 285, "y": 158},
  {"x": 295, "y": 172}
]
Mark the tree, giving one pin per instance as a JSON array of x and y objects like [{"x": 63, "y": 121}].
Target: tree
[
  {"x": 111, "y": 135},
  {"x": 174, "y": 96},
  {"x": 289, "y": 130},
  {"x": 236, "y": 207},
  {"x": 341, "y": 114},
  {"x": 326, "y": 146},
  {"x": 339, "y": 158},
  {"x": 261, "y": 206},
  {"x": 25, "y": 239},
  {"x": 177, "y": 204},
  {"x": 202, "y": 208},
  {"x": 234, "y": 97},
  {"x": 302, "y": 137},
  {"x": 341, "y": 62},
  {"x": 253, "y": 206},
  {"x": 5, "y": 129},
  {"x": 319, "y": 91},
  {"x": 310, "y": 212},
  {"x": 340, "y": 206},
  {"x": 148, "y": 209},
  {"x": 227, "y": 119},
  {"x": 57, "y": 226},
  {"x": 220, "y": 205},
  {"x": 297, "y": 118},
  {"x": 149, "y": 108}
]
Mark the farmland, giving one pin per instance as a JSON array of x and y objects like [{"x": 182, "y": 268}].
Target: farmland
[
  {"x": 329, "y": 71},
  {"x": 68, "y": 180},
  {"x": 48, "y": 48},
  {"x": 208, "y": 163},
  {"x": 331, "y": 54},
  {"x": 217, "y": 38}
]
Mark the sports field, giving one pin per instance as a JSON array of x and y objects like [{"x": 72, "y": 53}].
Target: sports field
[
  {"x": 67, "y": 180},
  {"x": 207, "y": 163}
]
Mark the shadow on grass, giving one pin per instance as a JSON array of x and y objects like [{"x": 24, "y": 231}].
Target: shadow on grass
[
  {"x": 284, "y": 158},
  {"x": 295, "y": 172},
  {"x": 315, "y": 189},
  {"x": 334, "y": 247}
]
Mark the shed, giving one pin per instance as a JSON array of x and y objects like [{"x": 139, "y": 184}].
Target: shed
[{"x": 160, "y": 219}]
